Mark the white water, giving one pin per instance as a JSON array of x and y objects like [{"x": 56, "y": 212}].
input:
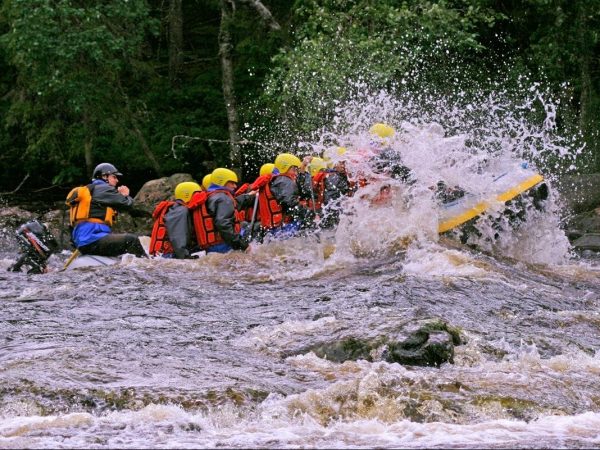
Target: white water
[{"x": 197, "y": 353}]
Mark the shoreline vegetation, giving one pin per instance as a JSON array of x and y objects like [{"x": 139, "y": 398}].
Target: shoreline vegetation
[{"x": 119, "y": 81}]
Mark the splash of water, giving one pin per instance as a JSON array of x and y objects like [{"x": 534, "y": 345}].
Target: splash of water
[{"x": 462, "y": 140}]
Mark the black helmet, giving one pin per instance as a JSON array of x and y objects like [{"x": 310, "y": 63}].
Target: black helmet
[{"x": 105, "y": 169}]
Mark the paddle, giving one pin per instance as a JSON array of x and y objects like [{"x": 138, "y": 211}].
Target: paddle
[
  {"x": 253, "y": 216},
  {"x": 75, "y": 254},
  {"x": 312, "y": 192}
]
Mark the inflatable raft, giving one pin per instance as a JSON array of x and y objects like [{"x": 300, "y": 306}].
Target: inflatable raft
[{"x": 502, "y": 189}]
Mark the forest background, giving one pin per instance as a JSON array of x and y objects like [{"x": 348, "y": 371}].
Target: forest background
[{"x": 158, "y": 87}]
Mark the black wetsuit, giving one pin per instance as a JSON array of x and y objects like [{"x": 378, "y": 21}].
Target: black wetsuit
[
  {"x": 178, "y": 224},
  {"x": 222, "y": 209},
  {"x": 285, "y": 190}
]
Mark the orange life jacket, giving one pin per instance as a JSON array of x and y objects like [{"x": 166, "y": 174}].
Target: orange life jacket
[
  {"x": 319, "y": 189},
  {"x": 79, "y": 201},
  {"x": 244, "y": 214},
  {"x": 206, "y": 233},
  {"x": 159, "y": 240},
  {"x": 270, "y": 211}
]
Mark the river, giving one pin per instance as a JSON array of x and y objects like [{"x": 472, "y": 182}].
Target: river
[
  {"x": 208, "y": 353},
  {"x": 155, "y": 353}
]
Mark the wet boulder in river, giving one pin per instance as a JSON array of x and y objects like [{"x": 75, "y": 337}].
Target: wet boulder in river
[
  {"x": 429, "y": 344},
  {"x": 423, "y": 343}
]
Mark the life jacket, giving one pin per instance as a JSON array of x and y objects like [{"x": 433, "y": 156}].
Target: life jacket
[
  {"x": 204, "y": 227},
  {"x": 242, "y": 189},
  {"x": 319, "y": 189},
  {"x": 270, "y": 211},
  {"x": 79, "y": 201},
  {"x": 244, "y": 214},
  {"x": 159, "y": 240}
]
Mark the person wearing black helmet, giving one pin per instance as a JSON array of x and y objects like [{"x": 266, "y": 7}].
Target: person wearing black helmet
[{"x": 93, "y": 210}]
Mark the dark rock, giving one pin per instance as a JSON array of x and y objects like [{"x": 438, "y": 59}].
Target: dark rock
[
  {"x": 436, "y": 349},
  {"x": 586, "y": 222},
  {"x": 57, "y": 221},
  {"x": 349, "y": 348},
  {"x": 10, "y": 219},
  {"x": 13, "y": 216},
  {"x": 589, "y": 241},
  {"x": 155, "y": 191},
  {"x": 424, "y": 343}
]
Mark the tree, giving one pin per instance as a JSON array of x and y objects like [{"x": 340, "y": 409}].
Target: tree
[
  {"x": 225, "y": 46},
  {"x": 339, "y": 44},
  {"x": 71, "y": 58},
  {"x": 175, "y": 40}
]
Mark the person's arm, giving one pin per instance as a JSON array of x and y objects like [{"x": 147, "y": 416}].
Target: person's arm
[
  {"x": 107, "y": 195},
  {"x": 223, "y": 211},
  {"x": 245, "y": 200},
  {"x": 285, "y": 192}
]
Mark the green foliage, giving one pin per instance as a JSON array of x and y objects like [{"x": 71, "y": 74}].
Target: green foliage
[
  {"x": 70, "y": 59},
  {"x": 341, "y": 42},
  {"x": 557, "y": 42},
  {"x": 76, "y": 73}
]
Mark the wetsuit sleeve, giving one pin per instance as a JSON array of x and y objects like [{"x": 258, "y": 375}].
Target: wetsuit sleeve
[
  {"x": 245, "y": 201},
  {"x": 222, "y": 209},
  {"x": 107, "y": 195},
  {"x": 303, "y": 181},
  {"x": 285, "y": 192},
  {"x": 178, "y": 229},
  {"x": 391, "y": 163}
]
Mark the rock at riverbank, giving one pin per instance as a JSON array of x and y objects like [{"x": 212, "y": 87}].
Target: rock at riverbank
[{"x": 155, "y": 191}]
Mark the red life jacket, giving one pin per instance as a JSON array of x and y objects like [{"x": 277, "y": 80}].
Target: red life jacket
[
  {"x": 242, "y": 189},
  {"x": 319, "y": 189},
  {"x": 270, "y": 211},
  {"x": 244, "y": 214},
  {"x": 159, "y": 240},
  {"x": 206, "y": 233}
]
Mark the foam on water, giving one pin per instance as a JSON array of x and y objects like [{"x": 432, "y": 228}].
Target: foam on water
[{"x": 366, "y": 405}]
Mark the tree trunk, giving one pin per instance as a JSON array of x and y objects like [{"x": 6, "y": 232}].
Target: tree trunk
[
  {"x": 264, "y": 12},
  {"x": 587, "y": 119},
  {"x": 88, "y": 146},
  {"x": 227, "y": 79},
  {"x": 585, "y": 76},
  {"x": 175, "y": 40}
]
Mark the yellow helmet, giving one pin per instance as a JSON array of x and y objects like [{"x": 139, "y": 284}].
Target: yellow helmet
[
  {"x": 286, "y": 160},
  {"x": 221, "y": 176},
  {"x": 266, "y": 169},
  {"x": 316, "y": 164},
  {"x": 184, "y": 191},
  {"x": 333, "y": 155},
  {"x": 382, "y": 130},
  {"x": 206, "y": 181}
]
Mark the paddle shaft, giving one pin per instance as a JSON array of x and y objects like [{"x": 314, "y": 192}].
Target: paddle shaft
[
  {"x": 312, "y": 192},
  {"x": 75, "y": 254},
  {"x": 253, "y": 216}
]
